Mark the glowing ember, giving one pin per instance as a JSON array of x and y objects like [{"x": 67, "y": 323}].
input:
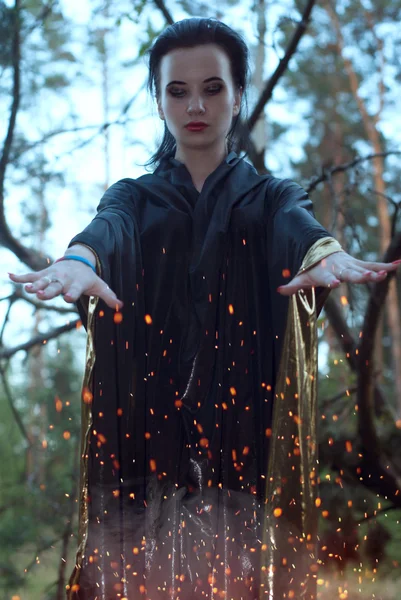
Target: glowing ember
[
  {"x": 87, "y": 395},
  {"x": 59, "y": 404}
]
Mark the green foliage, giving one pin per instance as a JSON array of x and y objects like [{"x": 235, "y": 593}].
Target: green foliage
[
  {"x": 151, "y": 34},
  {"x": 56, "y": 81},
  {"x": 38, "y": 478}
]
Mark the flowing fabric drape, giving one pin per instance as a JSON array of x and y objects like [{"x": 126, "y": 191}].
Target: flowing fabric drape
[{"x": 198, "y": 465}]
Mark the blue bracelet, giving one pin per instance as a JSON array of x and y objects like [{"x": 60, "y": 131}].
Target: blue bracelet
[{"x": 75, "y": 257}]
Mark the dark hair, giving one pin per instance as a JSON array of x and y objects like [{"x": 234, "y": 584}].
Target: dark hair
[{"x": 189, "y": 33}]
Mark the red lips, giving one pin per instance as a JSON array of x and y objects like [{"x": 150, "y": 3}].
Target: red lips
[{"x": 196, "y": 126}]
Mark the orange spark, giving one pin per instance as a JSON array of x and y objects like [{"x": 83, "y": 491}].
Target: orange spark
[{"x": 87, "y": 395}]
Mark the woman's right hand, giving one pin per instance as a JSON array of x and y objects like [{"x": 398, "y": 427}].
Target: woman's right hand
[{"x": 77, "y": 278}]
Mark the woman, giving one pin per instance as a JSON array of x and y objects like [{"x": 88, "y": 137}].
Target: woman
[{"x": 199, "y": 467}]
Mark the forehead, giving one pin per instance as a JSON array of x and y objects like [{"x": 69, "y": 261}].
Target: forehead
[{"x": 193, "y": 64}]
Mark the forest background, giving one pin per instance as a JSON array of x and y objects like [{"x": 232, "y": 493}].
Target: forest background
[{"x": 75, "y": 117}]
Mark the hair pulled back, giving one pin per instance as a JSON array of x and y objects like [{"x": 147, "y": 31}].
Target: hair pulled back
[{"x": 189, "y": 33}]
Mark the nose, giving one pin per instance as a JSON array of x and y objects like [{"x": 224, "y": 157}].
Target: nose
[{"x": 196, "y": 105}]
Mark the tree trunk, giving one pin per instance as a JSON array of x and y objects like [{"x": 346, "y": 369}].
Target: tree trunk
[{"x": 372, "y": 133}]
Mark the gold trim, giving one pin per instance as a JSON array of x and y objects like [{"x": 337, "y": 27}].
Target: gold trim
[
  {"x": 86, "y": 425},
  {"x": 84, "y": 300},
  {"x": 290, "y": 513},
  {"x": 320, "y": 250}
]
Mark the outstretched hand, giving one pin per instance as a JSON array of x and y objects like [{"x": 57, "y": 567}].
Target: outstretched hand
[{"x": 334, "y": 269}]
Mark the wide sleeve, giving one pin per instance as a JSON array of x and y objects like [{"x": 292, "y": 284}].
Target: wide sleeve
[
  {"x": 292, "y": 231},
  {"x": 294, "y": 227},
  {"x": 296, "y": 241},
  {"x": 105, "y": 233},
  {"x": 101, "y": 235}
]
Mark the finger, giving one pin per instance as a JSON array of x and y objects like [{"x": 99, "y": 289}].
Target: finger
[
  {"x": 24, "y": 277},
  {"x": 52, "y": 290},
  {"x": 40, "y": 284},
  {"x": 379, "y": 266},
  {"x": 353, "y": 275},
  {"x": 73, "y": 293},
  {"x": 111, "y": 299},
  {"x": 301, "y": 282}
]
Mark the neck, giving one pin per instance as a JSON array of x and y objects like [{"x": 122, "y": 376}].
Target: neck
[{"x": 200, "y": 162}]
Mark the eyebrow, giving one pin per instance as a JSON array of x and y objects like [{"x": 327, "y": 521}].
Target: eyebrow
[{"x": 175, "y": 82}]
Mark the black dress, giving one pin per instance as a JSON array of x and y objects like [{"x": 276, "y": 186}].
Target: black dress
[{"x": 180, "y": 388}]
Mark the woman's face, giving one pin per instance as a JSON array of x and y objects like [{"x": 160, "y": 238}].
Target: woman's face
[{"x": 196, "y": 85}]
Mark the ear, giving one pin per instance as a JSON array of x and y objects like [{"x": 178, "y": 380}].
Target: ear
[
  {"x": 160, "y": 110},
  {"x": 237, "y": 102}
]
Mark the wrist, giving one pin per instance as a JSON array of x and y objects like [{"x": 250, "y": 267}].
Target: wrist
[{"x": 83, "y": 251}]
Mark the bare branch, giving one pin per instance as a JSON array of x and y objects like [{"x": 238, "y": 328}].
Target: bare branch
[
  {"x": 66, "y": 538},
  {"x": 166, "y": 14},
  {"x": 34, "y": 259},
  {"x": 16, "y": 57},
  {"x": 282, "y": 66},
  {"x": 19, "y": 295},
  {"x": 377, "y": 513},
  {"x": 39, "y": 551},
  {"x": 396, "y": 206},
  {"x": 327, "y": 173},
  {"x": 6, "y": 353},
  {"x": 338, "y": 396},
  {"x": 366, "y": 346},
  {"x": 15, "y": 412},
  {"x": 6, "y": 318}
]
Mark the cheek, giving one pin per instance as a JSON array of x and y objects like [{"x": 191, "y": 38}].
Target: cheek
[{"x": 172, "y": 109}]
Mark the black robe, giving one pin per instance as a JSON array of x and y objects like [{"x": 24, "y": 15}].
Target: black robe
[{"x": 180, "y": 386}]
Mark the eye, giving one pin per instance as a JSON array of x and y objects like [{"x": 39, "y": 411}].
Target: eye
[
  {"x": 177, "y": 93},
  {"x": 214, "y": 89}
]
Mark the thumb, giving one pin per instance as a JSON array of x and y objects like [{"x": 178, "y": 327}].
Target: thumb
[
  {"x": 301, "y": 282},
  {"x": 293, "y": 286}
]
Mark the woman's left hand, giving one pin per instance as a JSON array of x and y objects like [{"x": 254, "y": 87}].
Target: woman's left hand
[{"x": 334, "y": 269}]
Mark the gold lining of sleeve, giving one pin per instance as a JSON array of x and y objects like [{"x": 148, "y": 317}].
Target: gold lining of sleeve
[
  {"x": 320, "y": 249},
  {"x": 86, "y": 425},
  {"x": 84, "y": 300},
  {"x": 290, "y": 512}
]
